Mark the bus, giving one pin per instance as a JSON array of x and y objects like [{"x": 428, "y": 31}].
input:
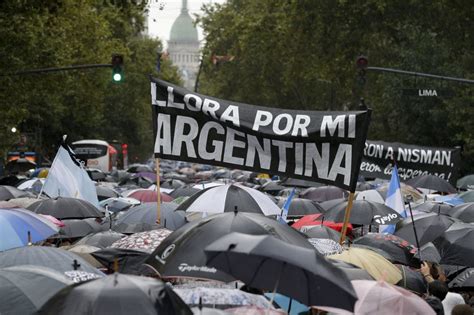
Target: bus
[{"x": 96, "y": 154}]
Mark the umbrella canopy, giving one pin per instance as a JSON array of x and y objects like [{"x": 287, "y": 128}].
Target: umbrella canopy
[
  {"x": 10, "y": 192},
  {"x": 131, "y": 228},
  {"x": 128, "y": 261},
  {"x": 61, "y": 260},
  {"x": 53, "y": 220},
  {"x": 85, "y": 252},
  {"x": 352, "y": 271},
  {"x": 370, "y": 195},
  {"x": 412, "y": 280},
  {"x": 35, "y": 185},
  {"x": 205, "y": 185},
  {"x": 323, "y": 193},
  {"x": 300, "y": 207},
  {"x": 145, "y": 195},
  {"x": 428, "y": 227},
  {"x": 428, "y": 252},
  {"x": 400, "y": 250},
  {"x": 467, "y": 196},
  {"x": 117, "y": 294},
  {"x": 380, "y": 297},
  {"x": 66, "y": 208},
  {"x": 463, "y": 281},
  {"x": 118, "y": 204},
  {"x": 295, "y": 182},
  {"x": 104, "y": 192},
  {"x": 431, "y": 182},
  {"x": 20, "y": 165},
  {"x": 148, "y": 213},
  {"x": 464, "y": 212},
  {"x": 172, "y": 184},
  {"x": 466, "y": 182},
  {"x": 316, "y": 220},
  {"x": 145, "y": 241},
  {"x": 18, "y": 227},
  {"x": 220, "y": 298},
  {"x": 24, "y": 202},
  {"x": 150, "y": 175},
  {"x": 455, "y": 245},
  {"x": 101, "y": 239},
  {"x": 229, "y": 198},
  {"x": 184, "y": 192},
  {"x": 267, "y": 263},
  {"x": 326, "y": 246},
  {"x": 137, "y": 168},
  {"x": 404, "y": 188},
  {"x": 181, "y": 254},
  {"x": 376, "y": 265},
  {"x": 435, "y": 207},
  {"x": 363, "y": 212},
  {"x": 321, "y": 231},
  {"x": 272, "y": 188},
  {"x": 24, "y": 289},
  {"x": 81, "y": 227}
]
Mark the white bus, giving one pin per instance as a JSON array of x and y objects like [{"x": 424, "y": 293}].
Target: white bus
[{"x": 97, "y": 154}]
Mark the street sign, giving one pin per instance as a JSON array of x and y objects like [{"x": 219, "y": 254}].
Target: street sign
[{"x": 428, "y": 93}]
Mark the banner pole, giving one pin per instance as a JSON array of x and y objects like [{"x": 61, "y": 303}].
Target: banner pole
[
  {"x": 158, "y": 201},
  {"x": 347, "y": 215}
]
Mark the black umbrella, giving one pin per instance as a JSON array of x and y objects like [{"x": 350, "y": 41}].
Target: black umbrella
[
  {"x": 466, "y": 182},
  {"x": 464, "y": 212},
  {"x": 104, "y": 192},
  {"x": 181, "y": 254},
  {"x": 272, "y": 188},
  {"x": 300, "y": 207},
  {"x": 24, "y": 289},
  {"x": 100, "y": 239},
  {"x": 463, "y": 281},
  {"x": 129, "y": 261},
  {"x": 172, "y": 184},
  {"x": 435, "y": 207},
  {"x": 431, "y": 182},
  {"x": 401, "y": 251},
  {"x": 59, "y": 259},
  {"x": 81, "y": 227},
  {"x": 267, "y": 263},
  {"x": 352, "y": 271},
  {"x": 323, "y": 193},
  {"x": 117, "y": 294},
  {"x": 184, "y": 192},
  {"x": 428, "y": 252},
  {"x": 139, "y": 168},
  {"x": 412, "y": 280},
  {"x": 132, "y": 228},
  {"x": 321, "y": 231},
  {"x": 455, "y": 245},
  {"x": 363, "y": 212},
  {"x": 428, "y": 227},
  {"x": 326, "y": 205},
  {"x": 66, "y": 208},
  {"x": 10, "y": 192},
  {"x": 20, "y": 165},
  {"x": 294, "y": 182}
]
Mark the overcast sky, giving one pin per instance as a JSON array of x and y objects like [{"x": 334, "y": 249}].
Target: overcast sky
[{"x": 164, "y": 12}]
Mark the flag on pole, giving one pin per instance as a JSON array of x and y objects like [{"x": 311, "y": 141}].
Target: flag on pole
[
  {"x": 286, "y": 207},
  {"x": 67, "y": 178},
  {"x": 394, "y": 200}
]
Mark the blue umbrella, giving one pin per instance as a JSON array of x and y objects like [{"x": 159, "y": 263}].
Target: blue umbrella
[{"x": 18, "y": 227}]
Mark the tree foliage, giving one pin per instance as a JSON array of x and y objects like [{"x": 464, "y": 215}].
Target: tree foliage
[
  {"x": 85, "y": 103},
  {"x": 301, "y": 54}
]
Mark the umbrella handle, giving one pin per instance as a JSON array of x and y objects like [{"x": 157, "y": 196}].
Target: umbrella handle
[{"x": 276, "y": 285}]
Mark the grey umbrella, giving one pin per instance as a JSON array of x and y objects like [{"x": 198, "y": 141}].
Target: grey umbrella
[
  {"x": 10, "y": 192},
  {"x": 300, "y": 207},
  {"x": 117, "y": 294},
  {"x": 101, "y": 239},
  {"x": 81, "y": 227},
  {"x": 66, "y": 208},
  {"x": 321, "y": 231},
  {"x": 431, "y": 182},
  {"x": 24, "y": 289},
  {"x": 148, "y": 213},
  {"x": 267, "y": 263},
  {"x": 57, "y": 258}
]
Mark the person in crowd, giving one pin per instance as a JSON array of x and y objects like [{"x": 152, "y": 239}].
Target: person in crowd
[
  {"x": 462, "y": 309},
  {"x": 432, "y": 272}
]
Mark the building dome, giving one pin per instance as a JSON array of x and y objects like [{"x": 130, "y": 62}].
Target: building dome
[{"x": 183, "y": 28}]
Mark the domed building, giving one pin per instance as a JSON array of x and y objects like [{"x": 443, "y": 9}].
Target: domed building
[{"x": 183, "y": 47}]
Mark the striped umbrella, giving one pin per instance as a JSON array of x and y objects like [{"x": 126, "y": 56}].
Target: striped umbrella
[{"x": 229, "y": 198}]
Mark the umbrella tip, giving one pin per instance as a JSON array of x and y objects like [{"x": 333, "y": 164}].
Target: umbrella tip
[{"x": 235, "y": 210}]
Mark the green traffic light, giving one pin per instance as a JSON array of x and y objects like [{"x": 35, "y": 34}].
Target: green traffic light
[{"x": 117, "y": 77}]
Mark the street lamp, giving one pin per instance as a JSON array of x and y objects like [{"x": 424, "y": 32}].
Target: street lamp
[{"x": 13, "y": 129}]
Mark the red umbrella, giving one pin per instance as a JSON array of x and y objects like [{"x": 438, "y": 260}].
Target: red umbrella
[
  {"x": 145, "y": 195},
  {"x": 315, "y": 219}
]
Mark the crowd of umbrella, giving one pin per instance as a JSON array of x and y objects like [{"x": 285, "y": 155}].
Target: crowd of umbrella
[{"x": 218, "y": 243}]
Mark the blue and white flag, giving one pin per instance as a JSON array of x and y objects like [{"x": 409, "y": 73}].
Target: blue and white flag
[
  {"x": 394, "y": 200},
  {"x": 286, "y": 207},
  {"x": 67, "y": 178}
]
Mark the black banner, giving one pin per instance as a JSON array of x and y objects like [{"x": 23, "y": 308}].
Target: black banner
[
  {"x": 412, "y": 161},
  {"x": 319, "y": 146}
]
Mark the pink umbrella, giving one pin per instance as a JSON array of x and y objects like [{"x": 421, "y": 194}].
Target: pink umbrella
[
  {"x": 380, "y": 297},
  {"x": 145, "y": 195},
  {"x": 52, "y": 219}
]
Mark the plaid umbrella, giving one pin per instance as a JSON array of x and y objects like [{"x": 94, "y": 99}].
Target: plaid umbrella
[{"x": 146, "y": 241}]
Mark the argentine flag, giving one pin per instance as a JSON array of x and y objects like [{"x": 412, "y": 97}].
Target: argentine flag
[
  {"x": 394, "y": 200},
  {"x": 286, "y": 207}
]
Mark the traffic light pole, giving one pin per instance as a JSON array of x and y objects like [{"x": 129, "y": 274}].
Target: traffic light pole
[{"x": 57, "y": 69}]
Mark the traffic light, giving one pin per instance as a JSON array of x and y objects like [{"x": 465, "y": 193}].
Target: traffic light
[
  {"x": 362, "y": 63},
  {"x": 117, "y": 68}
]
